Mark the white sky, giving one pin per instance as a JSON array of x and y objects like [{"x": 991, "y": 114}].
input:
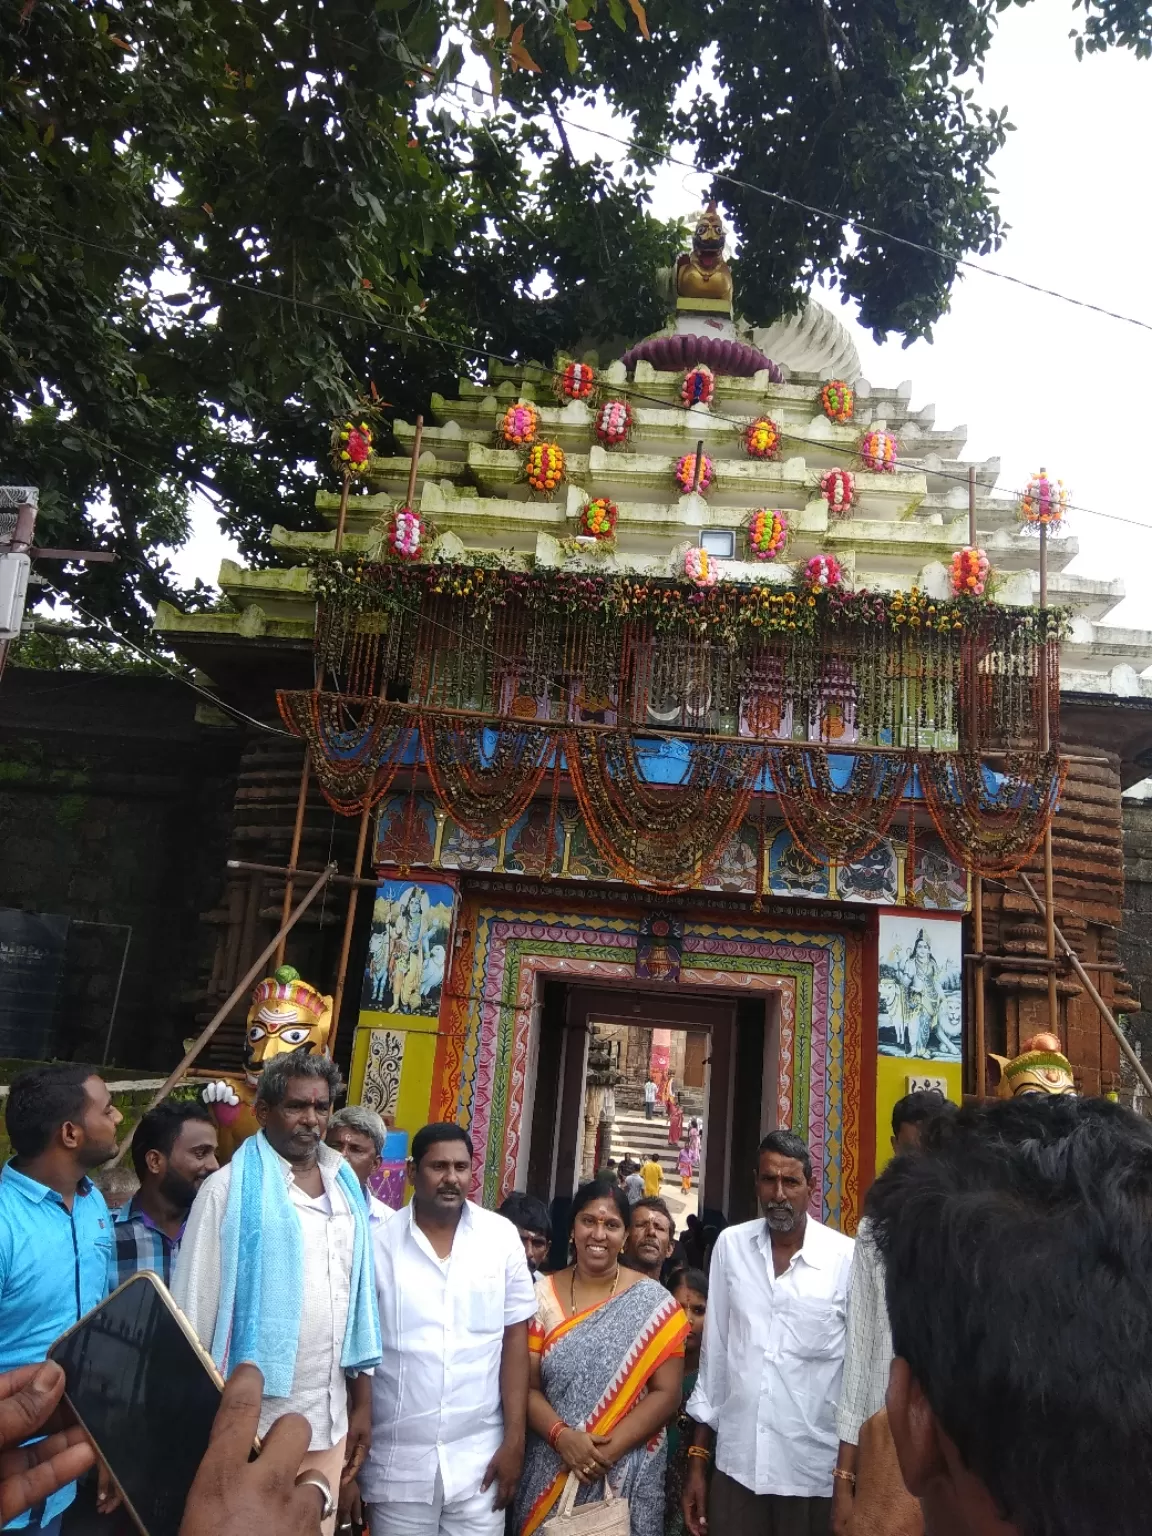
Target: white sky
[{"x": 1037, "y": 381}]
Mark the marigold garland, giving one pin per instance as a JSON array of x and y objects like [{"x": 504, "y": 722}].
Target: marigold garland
[
  {"x": 700, "y": 567},
  {"x": 686, "y": 473},
  {"x": 1044, "y": 501},
  {"x": 544, "y": 468},
  {"x": 575, "y": 381},
  {"x": 878, "y": 451},
  {"x": 838, "y": 488},
  {"x": 598, "y": 519},
  {"x": 356, "y": 744},
  {"x": 488, "y": 784},
  {"x": 823, "y": 571},
  {"x": 519, "y": 424},
  {"x": 969, "y": 573},
  {"x": 767, "y": 534},
  {"x": 613, "y": 424},
  {"x": 762, "y": 439},
  {"x": 351, "y": 445},
  {"x": 838, "y": 401},
  {"x": 699, "y": 385},
  {"x": 406, "y": 533}
]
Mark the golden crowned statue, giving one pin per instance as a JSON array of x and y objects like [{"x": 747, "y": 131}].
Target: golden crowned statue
[
  {"x": 703, "y": 273},
  {"x": 1040, "y": 1067},
  {"x": 286, "y": 1015}
]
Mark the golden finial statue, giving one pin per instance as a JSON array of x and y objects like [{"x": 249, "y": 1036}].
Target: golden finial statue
[{"x": 703, "y": 273}]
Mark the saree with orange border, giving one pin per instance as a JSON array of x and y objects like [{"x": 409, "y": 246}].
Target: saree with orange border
[{"x": 594, "y": 1368}]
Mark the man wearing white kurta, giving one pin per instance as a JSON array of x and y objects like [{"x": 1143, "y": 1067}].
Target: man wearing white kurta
[
  {"x": 771, "y": 1363},
  {"x": 449, "y": 1402}
]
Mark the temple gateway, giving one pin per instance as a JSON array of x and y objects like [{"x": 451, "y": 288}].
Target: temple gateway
[{"x": 694, "y": 714}]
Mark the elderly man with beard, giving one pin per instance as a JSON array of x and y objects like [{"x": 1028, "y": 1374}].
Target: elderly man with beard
[{"x": 771, "y": 1363}]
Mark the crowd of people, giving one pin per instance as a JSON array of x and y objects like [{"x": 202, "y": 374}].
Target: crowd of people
[{"x": 976, "y": 1363}]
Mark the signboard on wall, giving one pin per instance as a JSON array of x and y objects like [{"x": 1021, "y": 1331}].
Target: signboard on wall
[{"x": 31, "y": 965}]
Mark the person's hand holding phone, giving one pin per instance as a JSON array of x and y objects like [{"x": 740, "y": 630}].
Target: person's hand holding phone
[
  {"x": 232, "y": 1496},
  {"x": 29, "y": 1399}
]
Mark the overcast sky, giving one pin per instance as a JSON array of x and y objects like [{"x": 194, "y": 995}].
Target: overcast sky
[{"x": 1037, "y": 381}]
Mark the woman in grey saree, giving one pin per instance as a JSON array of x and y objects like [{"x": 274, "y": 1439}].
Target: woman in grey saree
[{"x": 606, "y": 1370}]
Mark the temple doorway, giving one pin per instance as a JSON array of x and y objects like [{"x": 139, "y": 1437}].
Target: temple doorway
[{"x": 713, "y": 1059}]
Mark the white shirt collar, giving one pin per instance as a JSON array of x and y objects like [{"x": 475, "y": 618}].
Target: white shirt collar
[{"x": 813, "y": 1250}]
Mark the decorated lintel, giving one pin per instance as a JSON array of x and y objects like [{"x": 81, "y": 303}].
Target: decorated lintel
[
  {"x": 767, "y": 534},
  {"x": 879, "y": 451},
  {"x": 762, "y": 439},
  {"x": 838, "y": 488},
  {"x": 838, "y": 401},
  {"x": 519, "y": 424},
  {"x": 686, "y": 477},
  {"x": 613, "y": 423},
  {"x": 544, "y": 469}
]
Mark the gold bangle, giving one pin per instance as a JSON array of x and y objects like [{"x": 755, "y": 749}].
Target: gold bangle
[
  {"x": 698, "y": 1450},
  {"x": 845, "y": 1477}
]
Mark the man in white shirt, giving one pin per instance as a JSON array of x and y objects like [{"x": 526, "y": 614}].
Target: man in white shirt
[
  {"x": 450, "y": 1400},
  {"x": 650, "y": 1091},
  {"x": 293, "y": 1102},
  {"x": 771, "y": 1362}
]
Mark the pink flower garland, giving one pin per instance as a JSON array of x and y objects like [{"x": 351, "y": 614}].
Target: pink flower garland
[
  {"x": 699, "y": 385},
  {"x": 823, "y": 571},
  {"x": 970, "y": 568},
  {"x": 519, "y": 425},
  {"x": 767, "y": 534},
  {"x": 686, "y": 472},
  {"x": 878, "y": 451},
  {"x": 613, "y": 423},
  {"x": 762, "y": 439},
  {"x": 1044, "y": 502},
  {"x": 700, "y": 568},
  {"x": 838, "y": 488},
  {"x": 406, "y": 534}
]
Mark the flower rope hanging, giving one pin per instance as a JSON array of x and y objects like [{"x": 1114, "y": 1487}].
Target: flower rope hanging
[
  {"x": 355, "y": 745},
  {"x": 762, "y": 439},
  {"x": 1044, "y": 502},
  {"x": 699, "y": 385},
  {"x": 351, "y": 445},
  {"x": 828, "y": 822},
  {"x": 838, "y": 488},
  {"x": 484, "y": 774},
  {"x": 407, "y": 534},
  {"x": 878, "y": 451},
  {"x": 838, "y": 401},
  {"x": 767, "y": 534},
  {"x": 686, "y": 473},
  {"x": 519, "y": 424},
  {"x": 575, "y": 381},
  {"x": 544, "y": 468},
  {"x": 991, "y": 829},
  {"x": 598, "y": 519},
  {"x": 700, "y": 567},
  {"x": 613, "y": 423},
  {"x": 969, "y": 572}
]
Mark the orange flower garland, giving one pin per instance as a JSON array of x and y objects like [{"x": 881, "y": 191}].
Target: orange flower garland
[
  {"x": 598, "y": 519},
  {"x": 576, "y": 381},
  {"x": 544, "y": 469},
  {"x": 878, "y": 451},
  {"x": 838, "y": 401},
  {"x": 1044, "y": 502},
  {"x": 519, "y": 424},
  {"x": 686, "y": 472},
  {"x": 762, "y": 439},
  {"x": 969, "y": 572},
  {"x": 767, "y": 534}
]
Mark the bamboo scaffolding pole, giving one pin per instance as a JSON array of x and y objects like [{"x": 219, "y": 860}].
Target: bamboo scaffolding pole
[
  {"x": 978, "y": 973},
  {"x": 225, "y": 1008},
  {"x": 1086, "y": 981},
  {"x": 293, "y": 856},
  {"x": 1046, "y": 742}
]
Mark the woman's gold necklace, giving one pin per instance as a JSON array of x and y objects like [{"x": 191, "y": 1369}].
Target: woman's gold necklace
[{"x": 611, "y": 1293}]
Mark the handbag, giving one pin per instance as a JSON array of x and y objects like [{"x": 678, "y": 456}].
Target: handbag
[{"x": 608, "y": 1516}]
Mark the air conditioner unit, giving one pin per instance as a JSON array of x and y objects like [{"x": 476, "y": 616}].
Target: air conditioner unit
[{"x": 14, "y": 571}]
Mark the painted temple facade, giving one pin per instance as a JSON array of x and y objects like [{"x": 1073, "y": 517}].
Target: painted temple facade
[{"x": 585, "y": 810}]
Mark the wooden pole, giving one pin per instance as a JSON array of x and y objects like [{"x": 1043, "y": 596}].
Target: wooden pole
[
  {"x": 977, "y": 880},
  {"x": 293, "y": 857},
  {"x": 226, "y": 1007},
  {"x": 365, "y": 815},
  {"x": 1046, "y": 742},
  {"x": 1086, "y": 981},
  {"x": 699, "y": 466},
  {"x": 342, "y": 515}
]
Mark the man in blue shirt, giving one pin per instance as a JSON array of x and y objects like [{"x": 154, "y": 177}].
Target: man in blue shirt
[
  {"x": 173, "y": 1152},
  {"x": 55, "y": 1229}
]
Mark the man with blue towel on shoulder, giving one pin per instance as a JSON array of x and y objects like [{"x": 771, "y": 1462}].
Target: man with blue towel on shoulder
[{"x": 276, "y": 1268}]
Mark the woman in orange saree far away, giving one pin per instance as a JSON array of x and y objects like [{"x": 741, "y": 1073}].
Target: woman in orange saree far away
[{"x": 607, "y": 1362}]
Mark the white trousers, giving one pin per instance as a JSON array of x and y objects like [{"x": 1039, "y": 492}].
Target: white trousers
[{"x": 468, "y": 1515}]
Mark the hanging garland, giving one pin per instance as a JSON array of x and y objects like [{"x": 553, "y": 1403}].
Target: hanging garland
[
  {"x": 762, "y": 439},
  {"x": 686, "y": 473},
  {"x": 992, "y": 831},
  {"x": 575, "y": 381},
  {"x": 351, "y": 445},
  {"x": 838, "y": 488},
  {"x": 355, "y": 745},
  {"x": 613, "y": 424},
  {"x": 767, "y": 534},
  {"x": 969, "y": 572},
  {"x": 878, "y": 451},
  {"x": 840, "y": 824},
  {"x": 544, "y": 467},
  {"x": 700, "y": 568},
  {"x": 823, "y": 572},
  {"x": 598, "y": 519},
  {"x": 838, "y": 401},
  {"x": 485, "y": 774},
  {"x": 1044, "y": 502},
  {"x": 406, "y": 534},
  {"x": 519, "y": 424},
  {"x": 699, "y": 385}
]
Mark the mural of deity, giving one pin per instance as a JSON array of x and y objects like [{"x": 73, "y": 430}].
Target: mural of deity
[
  {"x": 920, "y": 989},
  {"x": 935, "y": 879},
  {"x": 792, "y": 872},
  {"x": 872, "y": 877},
  {"x": 408, "y": 947}
]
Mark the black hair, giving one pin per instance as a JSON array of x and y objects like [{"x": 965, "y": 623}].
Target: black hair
[
  {"x": 788, "y": 1144},
  {"x": 273, "y": 1085},
  {"x": 1018, "y": 1267},
  {"x": 40, "y": 1102},
  {"x": 439, "y": 1130},
  {"x": 694, "y": 1279},
  {"x": 916, "y": 1108},
  {"x": 158, "y": 1130},
  {"x": 653, "y": 1203},
  {"x": 528, "y": 1212},
  {"x": 598, "y": 1189}
]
